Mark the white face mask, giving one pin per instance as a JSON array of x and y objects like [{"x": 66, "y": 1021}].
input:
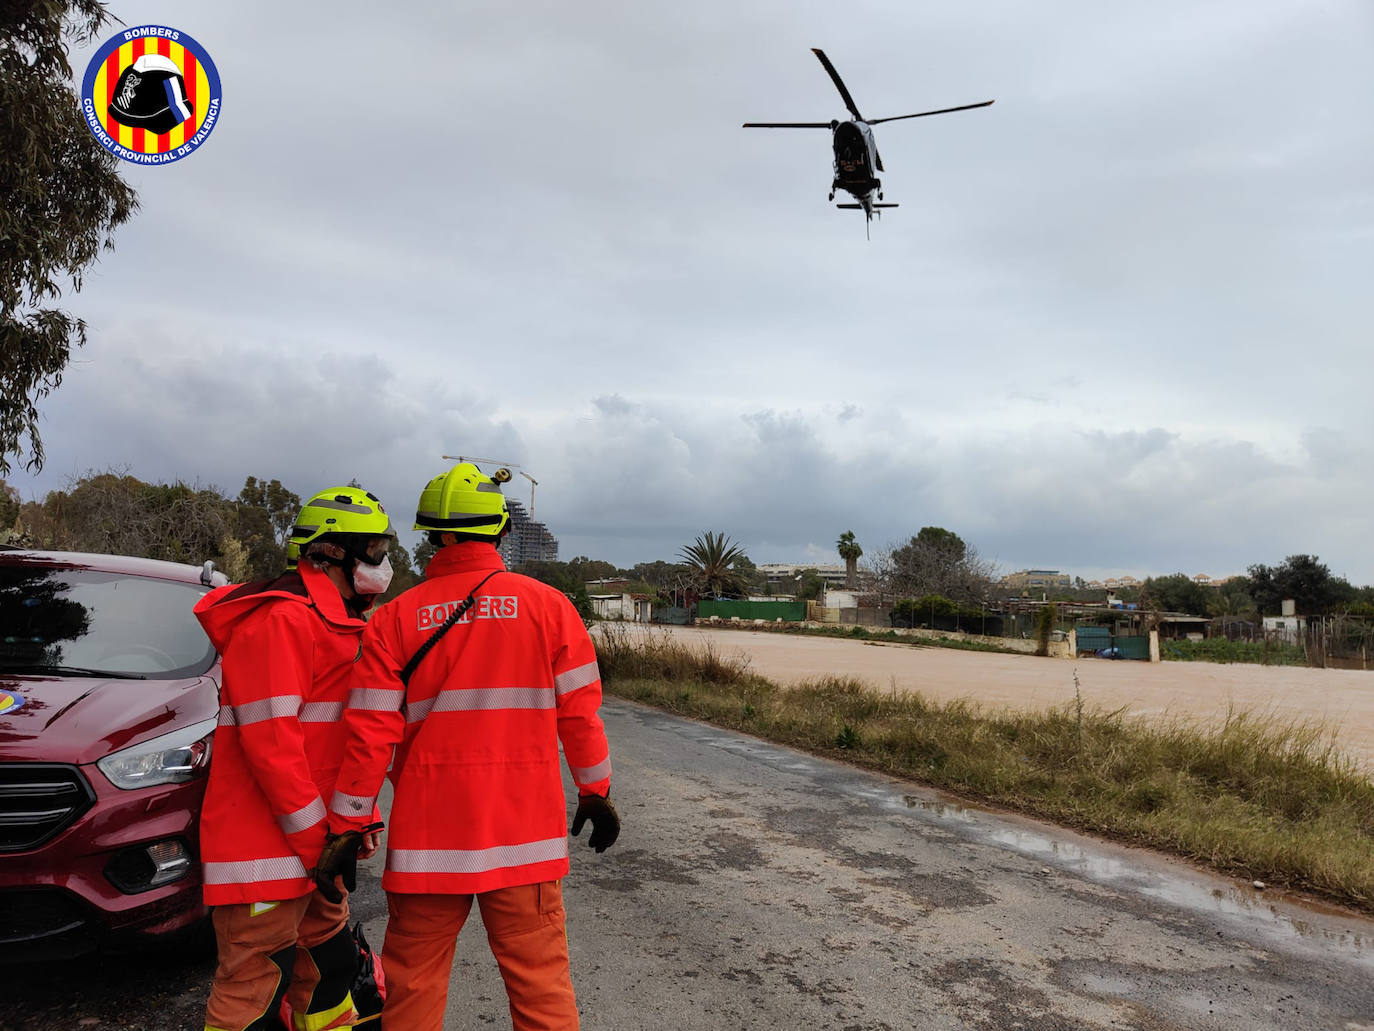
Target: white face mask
[{"x": 372, "y": 579}]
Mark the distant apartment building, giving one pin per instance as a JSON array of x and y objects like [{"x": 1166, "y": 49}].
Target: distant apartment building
[
  {"x": 1037, "y": 579},
  {"x": 785, "y": 574},
  {"x": 1113, "y": 583},
  {"x": 1202, "y": 579},
  {"x": 528, "y": 541}
]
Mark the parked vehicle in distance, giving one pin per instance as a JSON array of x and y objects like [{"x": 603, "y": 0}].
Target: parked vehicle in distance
[
  {"x": 109, "y": 696},
  {"x": 1109, "y": 653}
]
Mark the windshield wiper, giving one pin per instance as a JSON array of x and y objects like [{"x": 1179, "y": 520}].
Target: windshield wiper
[{"x": 72, "y": 671}]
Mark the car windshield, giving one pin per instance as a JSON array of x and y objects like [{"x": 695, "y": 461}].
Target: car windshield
[{"x": 82, "y": 622}]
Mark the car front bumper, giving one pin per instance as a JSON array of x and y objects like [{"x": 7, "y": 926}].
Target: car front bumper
[{"x": 88, "y": 886}]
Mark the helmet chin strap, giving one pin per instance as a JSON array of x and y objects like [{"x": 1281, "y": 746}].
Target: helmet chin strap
[
  {"x": 344, "y": 562},
  {"x": 358, "y": 602}
]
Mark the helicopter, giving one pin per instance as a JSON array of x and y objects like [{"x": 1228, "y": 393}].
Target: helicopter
[{"x": 856, "y": 154}]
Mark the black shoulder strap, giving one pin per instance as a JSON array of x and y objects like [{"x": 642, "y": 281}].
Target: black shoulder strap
[{"x": 444, "y": 627}]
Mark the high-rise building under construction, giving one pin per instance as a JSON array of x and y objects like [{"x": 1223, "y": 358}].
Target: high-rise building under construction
[{"x": 528, "y": 541}]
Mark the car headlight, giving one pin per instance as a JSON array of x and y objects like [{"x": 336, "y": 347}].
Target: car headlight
[{"x": 169, "y": 759}]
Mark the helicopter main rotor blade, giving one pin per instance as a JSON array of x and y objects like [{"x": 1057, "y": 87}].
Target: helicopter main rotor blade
[
  {"x": 839, "y": 83},
  {"x": 922, "y": 114},
  {"x": 786, "y": 125}
]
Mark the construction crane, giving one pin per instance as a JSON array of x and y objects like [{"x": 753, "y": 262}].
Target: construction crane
[
  {"x": 505, "y": 465},
  {"x": 533, "y": 483}
]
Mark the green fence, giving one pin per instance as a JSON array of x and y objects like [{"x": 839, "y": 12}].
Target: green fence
[
  {"x": 1133, "y": 647},
  {"x": 787, "y": 611},
  {"x": 1092, "y": 638}
]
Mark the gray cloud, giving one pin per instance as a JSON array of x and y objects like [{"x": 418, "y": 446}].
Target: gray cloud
[{"x": 1119, "y": 323}]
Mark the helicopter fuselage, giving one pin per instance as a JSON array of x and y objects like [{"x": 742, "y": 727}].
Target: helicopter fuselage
[{"x": 856, "y": 158}]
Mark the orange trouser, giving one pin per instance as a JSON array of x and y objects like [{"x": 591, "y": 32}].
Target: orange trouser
[
  {"x": 258, "y": 951},
  {"x": 525, "y": 930}
]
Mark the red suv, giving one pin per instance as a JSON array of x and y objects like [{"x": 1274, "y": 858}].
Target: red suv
[{"x": 109, "y": 694}]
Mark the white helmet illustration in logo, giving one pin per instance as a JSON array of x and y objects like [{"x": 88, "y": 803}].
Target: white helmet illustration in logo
[{"x": 151, "y": 94}]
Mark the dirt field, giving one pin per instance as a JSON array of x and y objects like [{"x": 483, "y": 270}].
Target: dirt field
[{"x": 1343, "y": 699}]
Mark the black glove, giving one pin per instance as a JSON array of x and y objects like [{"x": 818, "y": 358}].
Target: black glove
[
  {"x": 340, "y": 858},
  {"x": 605, "y": 821}
]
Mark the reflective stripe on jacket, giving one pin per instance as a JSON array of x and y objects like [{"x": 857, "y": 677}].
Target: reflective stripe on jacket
[
  {"x": 287, "y": 648},
  {"x": 478, "y": 790}
]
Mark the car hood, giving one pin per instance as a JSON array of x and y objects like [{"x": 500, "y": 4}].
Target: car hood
[{"x": 82, "y": 719}]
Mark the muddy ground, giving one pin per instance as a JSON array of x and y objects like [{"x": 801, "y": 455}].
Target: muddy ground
[{"x": 1204, "y": 691}]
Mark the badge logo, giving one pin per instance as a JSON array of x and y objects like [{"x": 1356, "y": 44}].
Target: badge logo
[
  {"x": 9, "y": 701},
  {"x": 151, "y": 95}
]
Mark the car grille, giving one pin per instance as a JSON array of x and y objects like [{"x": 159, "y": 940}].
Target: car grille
[{"x": 38, "y": 801}]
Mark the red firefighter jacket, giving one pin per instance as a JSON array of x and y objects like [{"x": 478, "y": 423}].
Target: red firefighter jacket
[
  {"x": 478, "y": 792},
  {"x": 287, "y": 648}
]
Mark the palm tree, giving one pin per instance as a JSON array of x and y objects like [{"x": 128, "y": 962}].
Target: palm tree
[
  {"x": 850, "y": 551},
  {"x": 712, "y": 557}
]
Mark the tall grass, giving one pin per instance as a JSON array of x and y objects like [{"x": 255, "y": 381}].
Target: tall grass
[
  {"x": 627, "y": 652},
  {"x": 1256, "y": 797}
]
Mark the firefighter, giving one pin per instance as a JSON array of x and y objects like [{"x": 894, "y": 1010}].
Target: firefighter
[
  {"x": 474, "y": 676},
  {"x": 287, "y": 646}
]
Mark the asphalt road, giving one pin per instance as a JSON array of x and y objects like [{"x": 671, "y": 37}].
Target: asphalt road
[{"x": 758, "y": 887}]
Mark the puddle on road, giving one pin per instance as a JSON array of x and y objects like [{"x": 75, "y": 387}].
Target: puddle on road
[
  {"x": 1273, "y": 919},
  {"x": 1198, "y": 891}
]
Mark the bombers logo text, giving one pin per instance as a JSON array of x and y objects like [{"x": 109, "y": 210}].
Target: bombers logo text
[
  {"x": 487, "y": 607},
  {"x": 151, "y": 95}
]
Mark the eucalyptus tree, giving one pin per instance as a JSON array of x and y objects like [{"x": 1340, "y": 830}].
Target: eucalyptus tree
[{"x": 63, "y": 199}]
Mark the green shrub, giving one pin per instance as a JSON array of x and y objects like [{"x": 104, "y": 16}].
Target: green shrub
[{"x": 1219, "y": 649}]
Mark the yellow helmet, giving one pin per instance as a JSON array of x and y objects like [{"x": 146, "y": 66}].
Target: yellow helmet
[
  {"x": 464, "y": 501},
  {"x": 339, "y": 510}
]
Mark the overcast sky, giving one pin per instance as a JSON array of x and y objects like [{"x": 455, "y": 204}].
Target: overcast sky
[{"x": 1121, "y": 322}]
